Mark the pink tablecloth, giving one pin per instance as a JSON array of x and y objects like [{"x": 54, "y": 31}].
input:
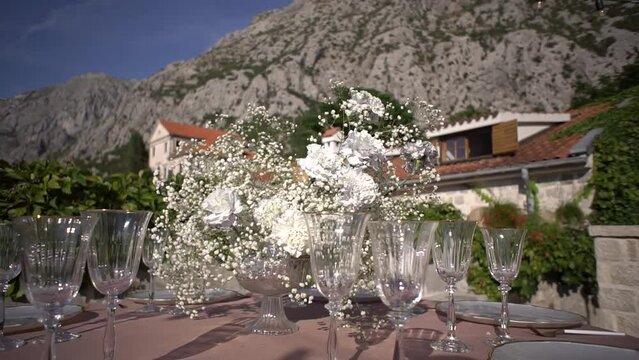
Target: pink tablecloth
[{"x": 221, "y": 336}]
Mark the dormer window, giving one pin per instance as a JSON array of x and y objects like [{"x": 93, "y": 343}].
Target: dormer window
[
  {"x": 467, "y": 145},
  {"x": 455, "y": 148}
]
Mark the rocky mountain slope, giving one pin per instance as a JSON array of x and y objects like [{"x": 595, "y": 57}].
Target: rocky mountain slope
[{"x": 503, "y": 55}]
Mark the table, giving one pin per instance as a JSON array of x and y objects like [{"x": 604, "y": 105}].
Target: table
[{"x": 221, "y": 335}]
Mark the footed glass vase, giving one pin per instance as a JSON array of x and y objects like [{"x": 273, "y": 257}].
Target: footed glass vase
[{"x": 269, "y": 274}]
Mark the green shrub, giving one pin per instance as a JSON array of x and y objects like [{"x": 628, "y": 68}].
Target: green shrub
[
  {"x": 438, "y": 212},
  {"x": 554, "y": 253},
  {"x": 53, "y": 188},
  {"x": 570, "y": 214}
]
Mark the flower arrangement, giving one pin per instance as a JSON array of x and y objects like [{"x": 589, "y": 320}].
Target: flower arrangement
[{"x": 242, "y": 194}]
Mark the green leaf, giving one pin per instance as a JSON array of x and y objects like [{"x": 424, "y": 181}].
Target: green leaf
[{"x": 21, "y": 211}]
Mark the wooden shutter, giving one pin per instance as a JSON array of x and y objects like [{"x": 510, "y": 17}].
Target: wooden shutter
[{"x": 505, "y": 137}]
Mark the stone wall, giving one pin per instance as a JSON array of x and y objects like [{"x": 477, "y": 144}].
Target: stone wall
[
  {"x": 554, "y": 190},
  {"x": 617, "y": 252}
]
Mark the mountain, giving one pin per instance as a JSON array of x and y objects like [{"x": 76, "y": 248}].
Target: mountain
[{"x": 496, "y": 54}]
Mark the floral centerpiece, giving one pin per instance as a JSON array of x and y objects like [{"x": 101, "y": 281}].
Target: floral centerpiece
[
  {"x": 243, "y": 194},
  {"x": 382, "y": 166}
]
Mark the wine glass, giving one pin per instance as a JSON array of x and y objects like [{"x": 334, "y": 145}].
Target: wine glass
[
  {"x": 55, "y": 250},
  {"x": 10, "y": 257},
  {"x": 400, "y": 260},
  {"x": 451, "y": 252},
  {"x": 151, "y": 256},
  {"x": 504, "y": 247},
  {"x": 114, "y": 255},
  {"x": 336, "y": 245}
]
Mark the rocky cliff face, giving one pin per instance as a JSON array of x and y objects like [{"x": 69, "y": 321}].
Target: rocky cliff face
[{"x": 498, "y": 54}]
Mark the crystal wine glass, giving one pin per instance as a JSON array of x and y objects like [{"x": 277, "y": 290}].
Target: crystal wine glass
[
  {"x": 336, "y": 244},
  {"x": 10, "y": 257},
  {"x": 55, "y": 250},
  {"x": 451, "y": 251},
  {"x": 400, "y": 260},
  {"x": 151, "y": 254},
  {"x": 504, "y": 247},
  {"x": 115, "y": 249}
]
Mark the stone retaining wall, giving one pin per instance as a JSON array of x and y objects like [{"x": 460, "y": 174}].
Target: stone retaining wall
[{"x": 617, "y": 252}]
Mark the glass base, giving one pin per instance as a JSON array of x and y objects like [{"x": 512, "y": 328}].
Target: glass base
[
  {"x": 150, "y": 308},
  {"x": 272, "y": 319},
  {"x": 499, "y": 340},
  {"x": 450, "y": 345},
  {"x": 60, "y": 337},
  {"x": 9, "y": 343}
]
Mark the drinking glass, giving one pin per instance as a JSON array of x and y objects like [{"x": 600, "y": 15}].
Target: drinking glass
[
  {"x": 115, "y": 249},
  {"x": 451, "y": 252},
  {"x": 55, "y": 250},
  {"x": 151, "y": 256},
  {"x": 400, "y": 260},
  {"x": 10, "y": 257},
  {"x": 504, "y": 247},
  {"x": 336, "y": 245}
]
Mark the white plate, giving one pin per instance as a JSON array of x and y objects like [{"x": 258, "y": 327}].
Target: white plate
[
  {"x": 167, "y": 297},
  {"x": 560, "y": 350},
  {"x": 26, "y": 317},
  {"x": 361, "y": 296},
  {"x": 520, "y": 315}
]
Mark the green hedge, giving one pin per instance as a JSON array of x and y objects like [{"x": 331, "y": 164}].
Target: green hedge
[{"x": 53, "y": 188}]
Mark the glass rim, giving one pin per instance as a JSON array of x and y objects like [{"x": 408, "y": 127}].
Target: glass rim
[
  {"x": 335, "y": 213},
  {"x": 116, "y": 211},
  {"x": 375, "y": 222},
  {"x": 72, "y": 217},
  {"x": 502, "y": 228}
]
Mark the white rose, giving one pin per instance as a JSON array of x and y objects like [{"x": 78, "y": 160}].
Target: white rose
[
  {"x": 417, "y": 154},
  {"x": 362, "y": 150},
  {"x": 222, "y": 207},
  {"x": 362, "y": 101},
  {"x": 358, "y": 189},
  {"x": 321, "y": 163},
  {"x": 289, "y": 231}
]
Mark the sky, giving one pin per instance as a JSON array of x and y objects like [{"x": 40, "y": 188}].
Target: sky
[{"x": 46, "y": 42}]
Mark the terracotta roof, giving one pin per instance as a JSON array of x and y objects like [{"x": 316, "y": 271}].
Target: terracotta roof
[
  {"x": 191, "y": 131},
  {"x": 330, "y": 132},
  {"x": 539, "y": 147}
]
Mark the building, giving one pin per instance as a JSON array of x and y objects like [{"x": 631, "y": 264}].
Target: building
[
  {"x": 165, "y": 142},
  {"x": 502, "y": 155}
]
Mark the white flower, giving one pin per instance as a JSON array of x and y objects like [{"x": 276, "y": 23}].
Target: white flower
[
  {"x": 321, "y": 163},
  {"x": 222, "y": 207},
  {"x": 362, "y": 150},
  {"x": 358, "y": 189},
  {"x": 269, "y": 210},
  {"x": 289, "y": 231},
  {"x": 362, "y": 101},
  {"x": 419, "y": 153}
]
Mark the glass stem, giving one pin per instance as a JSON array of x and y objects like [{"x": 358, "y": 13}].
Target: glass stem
[
  {"x": 2, "y": 292},
  {"x": 331, "y": 345},
  {"x": 399, "y": 341},
  {"x": 450, "y": 319},
  {"x": 505, "y": 317},
  {"x": 49, "y": 337},
  {"x": 109, "y": 332},
  {"x": 152, "y": 289},
  {"x": 333, "y": 308}
]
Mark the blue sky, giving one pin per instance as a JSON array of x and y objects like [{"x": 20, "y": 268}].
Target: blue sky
[{"x": 44, "y": 42}]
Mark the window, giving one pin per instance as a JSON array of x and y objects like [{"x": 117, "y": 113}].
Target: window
[
  {"x": 454, "y": 149},
  {"x": 153, "y": 151},
  {"x": 165, "y": 147},
  {"x": 467, "y": 145}
]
